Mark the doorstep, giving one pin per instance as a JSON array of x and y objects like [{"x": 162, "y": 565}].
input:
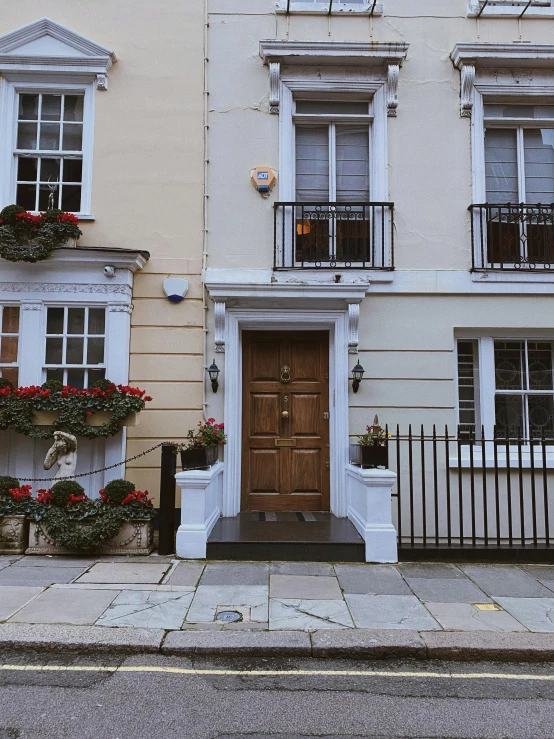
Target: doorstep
[{"x": 291, "y": 537}]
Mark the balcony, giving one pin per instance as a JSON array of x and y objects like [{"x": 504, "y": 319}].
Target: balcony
[
  {"x": 334, "y": 236},
  {"x": 512, "y": 237}
]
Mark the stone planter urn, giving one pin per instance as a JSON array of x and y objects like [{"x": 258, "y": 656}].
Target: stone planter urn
[
  {"x": 14, "y": 534},
  {"x": 134, "y": 537},
  {"x": 101, "y": 417}
]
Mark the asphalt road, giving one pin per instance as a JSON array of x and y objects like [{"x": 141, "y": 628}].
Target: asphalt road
[{"x": 154, "y": 697}]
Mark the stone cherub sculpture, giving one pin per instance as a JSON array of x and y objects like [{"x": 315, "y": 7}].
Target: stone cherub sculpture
[{"x": 63, "y": 452}]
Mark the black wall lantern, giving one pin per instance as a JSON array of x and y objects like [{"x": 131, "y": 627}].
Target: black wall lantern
[
  {"x": 213, "y": 371},
  {"x": 357, "y": 374}
]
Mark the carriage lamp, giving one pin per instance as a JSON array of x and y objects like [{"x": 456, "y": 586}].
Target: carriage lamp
[
  {"x": 357, "y": 374},
  {"x": 213, "y": 371}
]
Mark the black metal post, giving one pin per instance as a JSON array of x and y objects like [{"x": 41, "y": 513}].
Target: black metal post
[{"x": 167, "y": 500}]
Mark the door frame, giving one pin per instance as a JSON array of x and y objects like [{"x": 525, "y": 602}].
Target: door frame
[{"x": 336, "y": 322}]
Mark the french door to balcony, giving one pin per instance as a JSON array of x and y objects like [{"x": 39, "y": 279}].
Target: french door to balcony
[{"x": 332, "y": 216}]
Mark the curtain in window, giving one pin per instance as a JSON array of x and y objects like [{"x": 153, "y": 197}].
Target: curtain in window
[
  {"x": 352, "y": 147},
  {"x": 539, "y": 165},
  {"x": 312, "y": 163},
  {"x": 501, "y": 166}
]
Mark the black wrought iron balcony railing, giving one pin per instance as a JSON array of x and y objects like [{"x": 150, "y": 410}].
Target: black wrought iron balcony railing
[
  {"x": 334, "y": 235},
  {"x": 512, "y": 236}
]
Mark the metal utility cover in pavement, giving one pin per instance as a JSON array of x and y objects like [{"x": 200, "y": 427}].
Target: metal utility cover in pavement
[
  {"x": 229, "y": 616},
  {"x": 487, "y": 607}
]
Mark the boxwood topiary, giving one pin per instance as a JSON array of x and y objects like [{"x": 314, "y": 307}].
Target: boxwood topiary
[
  {"x": 63, "y": 489},
  {"x": 103, "y": 384},
  {"x": 117, "y": 490},
  {"x": 55, "y": 386},
  {"x": 9, "y": 213},
  {"x": 7, "y": 483},
  {"x": 5, "y": 383}
]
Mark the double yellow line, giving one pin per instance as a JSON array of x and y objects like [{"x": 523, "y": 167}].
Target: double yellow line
[{"x": 280, "y": 673}]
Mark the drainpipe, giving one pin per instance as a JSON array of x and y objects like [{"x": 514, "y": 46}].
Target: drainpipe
[{"x": 205, "y": 212}]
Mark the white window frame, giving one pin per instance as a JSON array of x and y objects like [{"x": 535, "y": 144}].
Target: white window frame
[
  {"x": 339, "y": 7},
  {"x": 485, "y": 400},
  {"x": 10, "y": 88},
  {"x": 510, "y": 9}
]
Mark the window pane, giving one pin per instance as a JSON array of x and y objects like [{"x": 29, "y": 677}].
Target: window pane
[
  {"x": 10, "y": 320},
  {"x": 49, "y": 136},
  {"x": 94, "y": 375},
  {"x": 539, "y": 165},
  {"x": 11, "y": 374},
  {"x": 328, "y": 107},
  {"x": 509, "y": 416},
  {"x": 27, "y": 136},
  {"x": 54, "y": 349},
  {"x": 54, "y": 321},
  {"x": 51, "y": 108},
  {"x": 541, "y": 415},
  {"x": 76, "y": 378},
  {"x": 540, "y": 365},
  {"x": 74, "y": 351},
  {"x": 26, "y": 196},
  {"x": 509, "y": 365},
  {"x": 312, "y": 163},
  {"x": 28, "y": 107},
  {"x": 95, "y": 351},
  {"x": 8, "y": 349},
  {"x": 55, "y": 374},
  {"x": 43, "y": 195},
  {"x": 76, "y": 321},
  {"x": 71, "y": 198},
  {"x": 352, "y": 163},
  {"x": 73, "y": 108},
  {"x": 501, "y": 166},
  {"x": 96, "y": 320},
  {"x": 49, "y": 170},
  {"x": 27, "y": 168},
  {"x": 73, "y": 170},
  {"x": 72, "y": 137},
  {"x": 468, "y": 382}
]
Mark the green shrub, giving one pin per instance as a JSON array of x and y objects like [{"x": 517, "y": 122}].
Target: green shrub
[
  {"x": 103, "y": 384},
  {"x": 7, "y": 482},
  {"x": 117, "y": 490},
  {"x": 55, "y": 386},
  {"x": 5, "y": 383},
  {"x": 63, "y": 489},
  {"x": 9, "y": 213}
]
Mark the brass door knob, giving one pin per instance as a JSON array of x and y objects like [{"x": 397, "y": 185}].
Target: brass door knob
[{"x": 285, "y": 414}]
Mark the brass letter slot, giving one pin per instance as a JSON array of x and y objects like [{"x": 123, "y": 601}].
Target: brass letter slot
[{"x": 285, "y": 442}]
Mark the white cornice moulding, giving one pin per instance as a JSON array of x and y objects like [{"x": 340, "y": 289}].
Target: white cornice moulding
[
  {"x": 47, "y": 46},
  {"x": 376, "y": 54},
  {"x": 470, "y": 57}
]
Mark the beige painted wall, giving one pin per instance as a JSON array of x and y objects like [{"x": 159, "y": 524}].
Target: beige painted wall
[{"x": 147, "y": 191}]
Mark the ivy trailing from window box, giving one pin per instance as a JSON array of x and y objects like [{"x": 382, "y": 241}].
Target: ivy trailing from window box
[
  {"x": 19, "y": 404},
  {"x": 79, "y": 524},
  {"x": 25, "y": 237}
]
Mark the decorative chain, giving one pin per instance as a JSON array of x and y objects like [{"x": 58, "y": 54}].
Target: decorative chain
[{"x": 111, "y": 467}]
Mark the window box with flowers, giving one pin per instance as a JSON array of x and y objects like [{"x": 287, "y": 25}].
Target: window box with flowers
[
  {"x": 201, "y": 450},
  {"x": 65, "y": 521},
  {"x": 372, "y": 449},
  {"x": 16, "y": 503},
  {"x": 97, "y": 412},
  {"x": 25, "y": 237}
]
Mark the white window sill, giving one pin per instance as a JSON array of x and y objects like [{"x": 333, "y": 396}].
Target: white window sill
[
  {"x": 322, "y": 8},
  {"x": 510, "y": 12},
  {"x": 465, "y": 463},
  {"x": 521, "y": 276}
]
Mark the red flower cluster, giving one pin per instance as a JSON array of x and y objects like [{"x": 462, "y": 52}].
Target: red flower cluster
[
  {"x": 137, "y": 496},
  {"x": 103, "y": 496},
  {"x": 20, "y": 494},
  {"x": 68, "y": 218},
  {"x": 30, "y": 219},
  {"x": 44, "y": 496},
  {"x": 73, "y": 499},
  {"x": 35, "y": 391}
]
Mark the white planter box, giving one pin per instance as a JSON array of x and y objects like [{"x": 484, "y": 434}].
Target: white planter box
[
  {"x": 14, "y": 534},
  {"x": 44, "y": 418},
  {"x": 135, "y": 537},
  {"x": 101, "y": 417}
]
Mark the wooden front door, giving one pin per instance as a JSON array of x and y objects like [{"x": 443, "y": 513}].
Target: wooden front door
[{"x": 285, "y": 451}]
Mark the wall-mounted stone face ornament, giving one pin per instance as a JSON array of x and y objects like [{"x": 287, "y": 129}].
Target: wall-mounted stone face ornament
[{"x": 175, "y": 289}]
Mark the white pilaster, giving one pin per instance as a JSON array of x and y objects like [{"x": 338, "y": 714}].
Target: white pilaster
[
  {"x": 370, "y": 510},
  {"x": 201, "y": 500}
]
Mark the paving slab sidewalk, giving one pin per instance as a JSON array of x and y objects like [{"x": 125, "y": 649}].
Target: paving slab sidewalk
[{"x": 325, "y": 608}]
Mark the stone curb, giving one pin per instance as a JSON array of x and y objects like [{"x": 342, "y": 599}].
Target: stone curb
[{"x": 359, "y": 644}]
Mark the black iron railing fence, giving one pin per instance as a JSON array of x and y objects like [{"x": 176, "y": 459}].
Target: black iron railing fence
[
  {"x": 458, "y": 492},
  {"x": 333, "y": 235},
  {"x": 512, "y": 236}
]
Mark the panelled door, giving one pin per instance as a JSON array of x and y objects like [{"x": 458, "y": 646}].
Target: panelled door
[{"x": 285, "y": 453}]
